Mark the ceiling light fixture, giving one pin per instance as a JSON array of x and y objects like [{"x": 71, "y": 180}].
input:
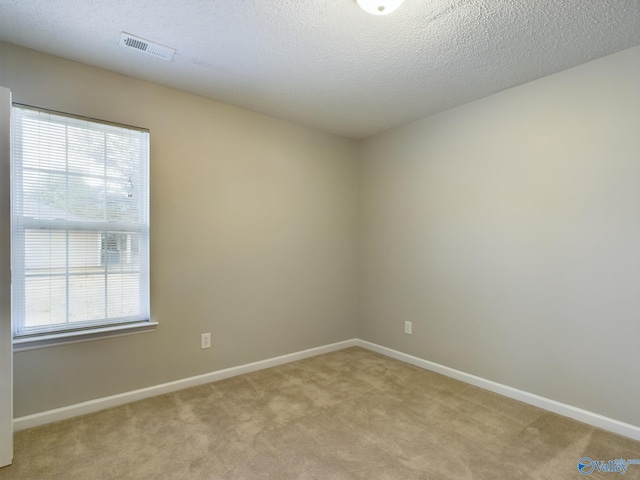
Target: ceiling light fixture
[{"x": 379, "y": 7}]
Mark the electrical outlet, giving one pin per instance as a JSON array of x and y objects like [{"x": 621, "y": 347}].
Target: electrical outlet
[
  {"x": 408, "y": 328},
  {"x": 205, "y": 340}
]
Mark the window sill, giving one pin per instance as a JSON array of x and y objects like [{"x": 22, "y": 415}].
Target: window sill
[{"x": 44, "y": 341}]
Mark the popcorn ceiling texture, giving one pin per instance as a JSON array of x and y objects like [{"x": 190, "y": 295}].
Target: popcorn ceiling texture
[{"x": 326, "y": 63}]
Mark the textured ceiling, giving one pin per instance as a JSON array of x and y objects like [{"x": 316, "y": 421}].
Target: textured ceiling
[{"x": 326, "y": 63}]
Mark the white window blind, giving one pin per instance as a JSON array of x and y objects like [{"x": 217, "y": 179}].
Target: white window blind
[{"x": 80, "y": 223}]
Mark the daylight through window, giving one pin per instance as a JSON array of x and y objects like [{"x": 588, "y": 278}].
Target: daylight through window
[{"x": 80, "y": 223}]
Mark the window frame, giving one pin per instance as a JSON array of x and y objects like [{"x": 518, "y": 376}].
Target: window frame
[{"x": 33, "y": 337}]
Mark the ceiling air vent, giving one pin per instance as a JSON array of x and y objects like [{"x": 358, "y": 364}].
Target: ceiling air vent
[{"x": 142, "y": 45}]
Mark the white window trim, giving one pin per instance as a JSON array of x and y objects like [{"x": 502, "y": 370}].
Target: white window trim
[{"x": 79, "y": 336}]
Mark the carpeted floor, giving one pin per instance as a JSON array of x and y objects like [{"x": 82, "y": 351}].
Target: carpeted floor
[{"x": 351, "y": 414}]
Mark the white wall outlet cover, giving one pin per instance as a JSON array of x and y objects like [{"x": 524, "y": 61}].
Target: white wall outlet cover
[{"x": 408, "y": 328}]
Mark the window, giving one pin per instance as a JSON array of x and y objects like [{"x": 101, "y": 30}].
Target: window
[{"x": 80, "y": 224}]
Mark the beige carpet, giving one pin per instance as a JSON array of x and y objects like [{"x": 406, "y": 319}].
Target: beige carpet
[{"x": 351, "y": 414}]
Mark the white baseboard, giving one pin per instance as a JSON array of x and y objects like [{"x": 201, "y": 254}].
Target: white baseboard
[
  {"x": 563, "y": 409},
  {"x": 91, "y": 406},
  {"x": 98, "y": 404}
]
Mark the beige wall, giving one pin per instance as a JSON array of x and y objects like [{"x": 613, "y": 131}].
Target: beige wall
[
  {"x": 508, "y": 231},
  {"x": 253, "y": 224}
]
